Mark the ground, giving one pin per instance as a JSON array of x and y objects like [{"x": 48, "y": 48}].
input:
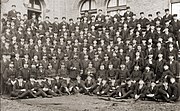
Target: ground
[{"x": 85, "y": 103}]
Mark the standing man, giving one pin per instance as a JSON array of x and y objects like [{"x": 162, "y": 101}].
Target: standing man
[
  {"x": 128, "y": 13},
  {"x": 25, "y": 72},
  {"x": 167, "y": 16},
  {"x": 143, "y": 21},
  {"x": 12, "y": 14},
  {"x": 100, "y": 15},
  {"x": 55, "y": 25}
]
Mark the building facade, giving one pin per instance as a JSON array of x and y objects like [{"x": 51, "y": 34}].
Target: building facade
[{"x": 74, "y": 8}]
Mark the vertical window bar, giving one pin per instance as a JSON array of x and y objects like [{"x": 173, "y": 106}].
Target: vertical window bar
[{"x": 89, "y": 4}]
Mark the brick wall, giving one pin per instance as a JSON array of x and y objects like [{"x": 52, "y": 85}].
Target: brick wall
[{"x": 148, "y": 6}]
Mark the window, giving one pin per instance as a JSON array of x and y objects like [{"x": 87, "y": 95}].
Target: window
[
  {"x": 34, "y": 4},
  {"x": 88, "y": 5},
  {"x": 116, "y": 3},
  {"x": 113, "y": 5},
  {"x": 175, "y": 8},
  {"x": 34, "y": 7}
]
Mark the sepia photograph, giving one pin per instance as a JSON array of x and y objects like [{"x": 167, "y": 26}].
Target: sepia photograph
[{"x": 90, "y": 55}]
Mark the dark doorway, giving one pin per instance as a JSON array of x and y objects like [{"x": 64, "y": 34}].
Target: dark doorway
[{"x": 30, "y": 12}]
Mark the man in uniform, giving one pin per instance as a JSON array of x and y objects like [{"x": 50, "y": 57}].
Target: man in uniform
[
  {"x": 143, "y": 21},
  {"x": 167, "y": 16},
  {"x": 22, "y": 89},
  {"x": 63, "y": 71},
  {"x": 140, "y": 90},
  {"x": 55, "y": 25},
  {"x": 75, "y": 67},
  {"x": 25, "y": 72},
  {"x": 89, "y": 84},
  {"x": 173, "y": 66},
  {"x": 128, "y": 13},
  {"x": 100, "y": 15},
  {"x": 46, "y": 23},
  {"x": 7, "y": 76},
  {"x": 12, "y": 14}
]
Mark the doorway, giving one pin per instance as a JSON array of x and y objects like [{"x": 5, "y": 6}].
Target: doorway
[
  {"x": 30, "y": 12},
  {"x": 35, "y": 6}
]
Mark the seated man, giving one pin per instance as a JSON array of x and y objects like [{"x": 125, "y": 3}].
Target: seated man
[
  {"x": 36, "y": 89},
  {"x": 140, "y": 90},
  {"x": 148, "y": 75},
  {"x": 174, "y": 88},
  {"x": 136, "y": 73},
  {"x": 111, "y": 72},
  {"x": 46, "y": 86},
  {"x": 90, "y": 70},
  {"x": 166, "y": 72},
  {"x": 164, "y": 92},
  {"x": 102, "y": 89},
  {"x": 123, "y": 73},
  {"x": 68, "y": 86},
  {"x": 63, "y": 71},
  {"x": 79, "y": 85},
  {"x": 50, "y": 71},
  {"x": 113, "y": 86},
  {"x": 56, "y": 84},
  {"x": 22, "y": 89},
  {"x": 101, "y": 73},
  {"x": 126, "y": 90},
  {"x": 151, "y": 91},
  {"x": 89, "y": 85}
]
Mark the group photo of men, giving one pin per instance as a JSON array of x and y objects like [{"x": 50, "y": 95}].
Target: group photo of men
[{"x": 121, "y": 56}]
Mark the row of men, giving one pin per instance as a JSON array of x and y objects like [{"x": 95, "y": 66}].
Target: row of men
[
  {"x": 125, "y": 34},
  {"x": 15, "y": 16},
  {"x": 105, "y": 69},
  {"x": 164, "y": 90},
  {"x": 76, "y": 65},
  {"x": 10, "y": 27},
  {"x": 70, "y": 49},
  {"x": 97, "y": 38}
]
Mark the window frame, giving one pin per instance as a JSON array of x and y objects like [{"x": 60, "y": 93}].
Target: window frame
[
  {"x": 117, "y": 4},
  {"x": 32, "y": 8},
  {"x": 90, "y": 10},
  {"x": 115, "y": 8}
]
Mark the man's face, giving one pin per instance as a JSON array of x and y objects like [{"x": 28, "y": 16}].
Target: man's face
[
  {"x": 100, "y": 12},
  {"x": 171, "y": 57},
  {"x": 18, "y": 14},
  {"x": 13, "y": 8},
  {"x": 159, "y": 14},
  {"x": 64, "y": 19},
  {"x": 47, "y": 19},
  {"x": 34, "y": 16},
  {"x": 134, "y": 17},
  {"x": 25, "y": 17},
  {"x": 122, "y": 66},
  {"x": 136, "y": 68},
  {"x": 167, "y": 12},
  {"x": 110, "y": 66},
  {"x": 175, "y": 18},
  {"x": 25, "y": 65},
  {"x": 39, "y": 18},
  {"x": 142, "y": 15},
  {"x": 99, "y": 19},
  {"x": 172, "y": 80},
  {"x": 150, "y": 17},
  {"x": 102, "y": 67},
  {"x": 11, "y": 65},
  {"x": 153, "y": 84},
  {"x": 165, "y": 84}
]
